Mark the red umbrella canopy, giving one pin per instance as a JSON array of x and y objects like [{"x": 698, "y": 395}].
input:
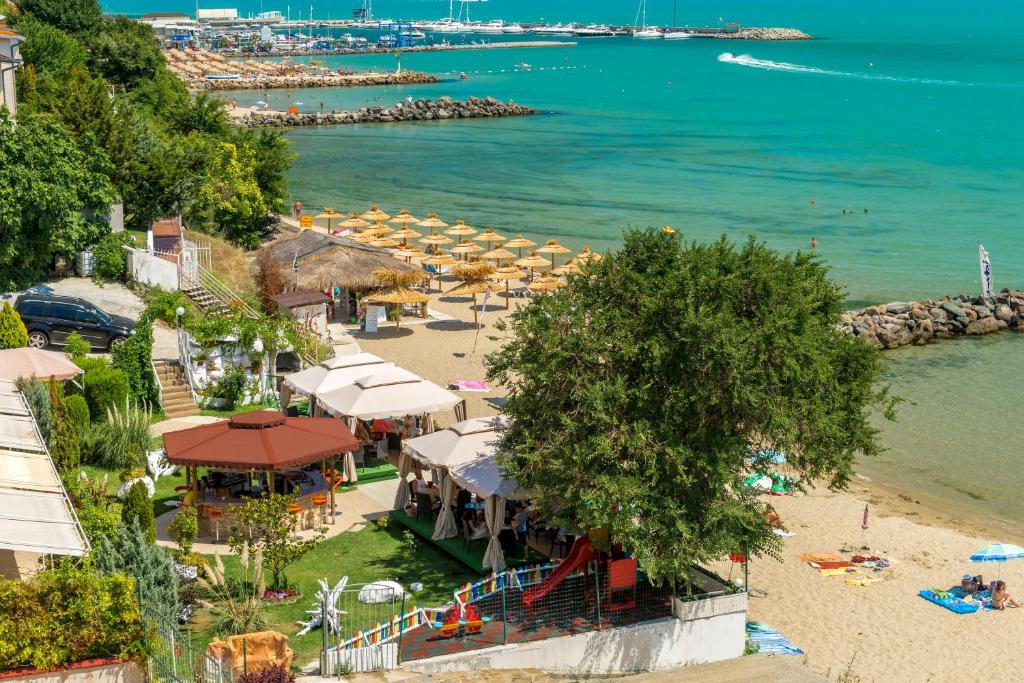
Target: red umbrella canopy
[{"x": 260, "y": 439}]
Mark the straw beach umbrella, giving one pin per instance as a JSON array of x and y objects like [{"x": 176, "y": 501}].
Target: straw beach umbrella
[
  {"x": 553, "y": 247},
  {"x": 533, "y": 261},
  {"x": 499, "y": 254},
  {"x": 489, "y": 235},
  {"x": 408, "y": 253},
  {"x": 384, "y": 242},
  {"x": 587, "y": 256},
  {"x": 460, "y": 229},
  {"x": 329, "y": 214},
  {"x": 397, "y": 290},
  {"x": 545, "y": 284},
  {"x": 508, "y": 273},
  {"x": 354, "y": 222},
  {"x": 374, "y": 214},
  {"x": 439, "y": 261},
  {"x": 432, "y": 222},
  {"x": 518, "y": 242},
  {"x": 570, "y": 267},
  {"x": 404, "y": 218},
  {"x": 404, "y": 234},
  {"x": 465, "y": 247},
  {"x": 473, "y": 276},
  {"x": 378, "y": 230},
  {"x": 435, "y": 239}
]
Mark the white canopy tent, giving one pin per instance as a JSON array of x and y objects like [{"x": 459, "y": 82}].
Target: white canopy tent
[
  {"x": 332, "y": 374},
  {"x": 389, "y": 392}
]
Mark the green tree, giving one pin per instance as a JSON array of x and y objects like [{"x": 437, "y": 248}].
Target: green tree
[
  {"x": 75, "y": 346},
  {"x": 13, "y": 334},
  {"x": 138, "y": 509},
  {"x": 134, "y": 357},
  {"x": 184, "y": 529},
  {"x": 637, "y": 393},
  {"x": 130, "y": 552},
  {"x": 230, "y": 201},
  {"x": 63, "y": 439},
  {"x": 270, "y": 524},
  {"x": 73, "y": 16},
  {"x": 96, "y": 512},
  {"x": 271, "y": 162},
  {"x": 125, "y": 52},
  {"x": 78, "y": 413},
  {"x": 49, "y": 50},
  {"x": 48, "y": 184}
]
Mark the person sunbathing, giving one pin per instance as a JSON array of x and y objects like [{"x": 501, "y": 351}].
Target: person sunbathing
[
  {"x": 1001, "y": 598},
  {"x": 971, "y": 584}
]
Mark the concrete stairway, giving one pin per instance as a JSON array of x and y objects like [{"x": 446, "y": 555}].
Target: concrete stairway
[
  {"x": 177, "y": 396},
  {"x": 204, "y": 299}
]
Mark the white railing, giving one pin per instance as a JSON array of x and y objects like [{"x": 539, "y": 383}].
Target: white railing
[
  {"x": 159, "y": 384},
  {"x": 185, "y": 361}
]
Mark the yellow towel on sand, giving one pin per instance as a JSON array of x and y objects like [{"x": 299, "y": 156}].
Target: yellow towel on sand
[
  {"x": 839, "y": 571},
  {"x": 862, "y": 580}
]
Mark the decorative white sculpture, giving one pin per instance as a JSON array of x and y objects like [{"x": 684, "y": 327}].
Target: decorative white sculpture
[
  {"x": 156, "y": 464},
  {"x": 326, "y": 600}
]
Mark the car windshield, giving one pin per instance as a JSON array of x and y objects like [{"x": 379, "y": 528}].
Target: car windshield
[{"x": 102, "y": 315}]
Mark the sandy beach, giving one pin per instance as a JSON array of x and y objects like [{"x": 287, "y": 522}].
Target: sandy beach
[{"x": 881, "y": 632}]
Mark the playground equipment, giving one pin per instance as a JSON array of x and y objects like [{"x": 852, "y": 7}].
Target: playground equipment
[{"x": 582, "y": 552}]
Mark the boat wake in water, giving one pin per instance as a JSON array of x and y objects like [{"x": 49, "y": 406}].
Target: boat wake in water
[{"x": 768, "y": 65}]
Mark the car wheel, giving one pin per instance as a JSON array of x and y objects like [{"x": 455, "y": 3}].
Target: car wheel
[
  {"x": 117, "y": 341},
  {"x": 38, "y": 339}
]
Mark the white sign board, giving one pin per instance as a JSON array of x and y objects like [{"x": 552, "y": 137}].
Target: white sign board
[{"x": 374, "y": 314}]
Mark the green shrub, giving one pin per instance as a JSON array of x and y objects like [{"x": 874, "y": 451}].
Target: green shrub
[
  {"x": 130, "y": 552},
  {"x": 109, "y": 261},
  {"x": 38, "y": 398},
  {"x": 138, "y": 509},
  {"x": 105, "y": 387},
  {"x": 13, "y": 334},
  {"x": 69, "y": 614},
  {"x": 96, "y": 512},
  {"x": 134, "y": 357},
  {"x": 184, "y": 529},
  {"x": 122, "y": 441},
  {"x": 230, "y": 387},
  {"x": 76, "y": 346},
  {"x": 163, "y": 305},
  {"x": 78, "y": 413},
  {"x": 88, "y": 363},
  {"x": 63, "y": 440}
]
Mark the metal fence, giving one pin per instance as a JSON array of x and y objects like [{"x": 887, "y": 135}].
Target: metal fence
[{"x": 514, "y": 606}]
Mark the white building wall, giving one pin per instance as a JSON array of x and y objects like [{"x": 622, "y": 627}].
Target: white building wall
[
  {"x": 9, "y": 61},
  {"x": 152, "y": 270}
]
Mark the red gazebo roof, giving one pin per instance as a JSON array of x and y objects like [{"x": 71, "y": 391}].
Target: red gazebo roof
[{"x": 260, "y": 439}]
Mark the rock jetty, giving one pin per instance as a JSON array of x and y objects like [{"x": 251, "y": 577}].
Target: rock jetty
[
  {"x": 313, "y": 81},
  {"x": 896, "y": 324},
  {"x": 441, "y": 109},
  {"x": 764, "y": 34}
]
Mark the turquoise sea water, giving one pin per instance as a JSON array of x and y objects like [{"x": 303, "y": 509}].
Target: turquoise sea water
[{"x": 911, "y": 110}]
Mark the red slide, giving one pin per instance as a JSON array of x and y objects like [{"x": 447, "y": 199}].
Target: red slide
[{"x": 581, "y": 553}]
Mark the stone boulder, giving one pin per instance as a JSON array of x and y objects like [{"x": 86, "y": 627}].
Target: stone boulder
[{"x": 983, "y": 326}]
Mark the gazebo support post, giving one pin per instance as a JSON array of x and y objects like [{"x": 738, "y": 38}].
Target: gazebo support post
[
  {"x": 195, "y": 483},
  {"x": 334, "y": 470},
  {"x": 270, "y": 482}
]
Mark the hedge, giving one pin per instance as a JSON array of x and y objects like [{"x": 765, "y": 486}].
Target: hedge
[{"x": 105, "y": 387}]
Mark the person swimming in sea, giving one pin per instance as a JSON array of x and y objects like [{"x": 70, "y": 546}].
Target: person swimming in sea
[{"x": 814, "y": 242}]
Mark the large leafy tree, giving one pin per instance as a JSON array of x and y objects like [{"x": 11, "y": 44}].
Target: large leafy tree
[
  {"x": 230, "y": 199},
  {"x": 269, "y": 523},
  {"x": 125, "y": 52},
  {"x": 72, "y": 16},
  {"x": 48, "y": 187},
  {"x": 638, "y": 393}
]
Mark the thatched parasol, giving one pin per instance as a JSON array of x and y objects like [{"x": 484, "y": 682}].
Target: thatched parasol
[
  {"x": 587, "y": 256},
  {"x": 432, "y": 222},
  {"x": 374, "y": 214},
  {"x": 473, "y": 276},
  {"x": 553, "y": 247},
  {"x": 404, "y": 218},
  {"x": 508, "y": 273},
  {"x": 408, "y": 253},
  {"x": 435, "y": 238},
  {"x": 518, "y": 242},
  {"x": 439, "y": 261},
  {"x": 329, "y": 214},
  {"x": 404, "y": 234},
  {"x": 460, "y": 229},
  {"x": 362, "y": 237},
  {"x": 354, "y": 222},
  {"x": 466, "y": 247},
  {"x": 397, "y": 290},
  {"x": 570, "y": 267},
  {"x": 545, "y": 284},
  {"x": 489, "y": 235},
  {"x": 499, "y": 254},
  {"x": 533, "y": 261},
  {"x": 384, "y": 242}
]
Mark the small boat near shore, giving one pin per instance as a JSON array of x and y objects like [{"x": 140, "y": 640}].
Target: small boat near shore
[
  {"x": 593, "y": 31},
  {"x": 676, "y": 35}
]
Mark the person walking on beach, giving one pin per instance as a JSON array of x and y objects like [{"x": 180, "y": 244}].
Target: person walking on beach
[{"x": 297, "y": 207}]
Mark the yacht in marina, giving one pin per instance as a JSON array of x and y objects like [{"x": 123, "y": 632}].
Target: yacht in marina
[
  {"x": 676, "y": 35},
  {"x": 593, "y": 31},
  {"x": 640, "y": 27},
  {"x": 555, "y": 30}
]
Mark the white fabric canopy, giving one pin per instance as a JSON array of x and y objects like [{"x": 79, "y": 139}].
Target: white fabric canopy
[
  {"x": 388, "y": 393},
  {"x": 402, "y": 494},
  {"x": 461, "y": 442},
  {"x": 334, "y": 374},
  {"x": 28, "y": 470},
  {"x": 494, "y": 514},
  {"x": 484, "y": 477},
  {"x": 445, "y": 527},
  {"x": 36, "y": 363},
  {"x": 39, "y": 522},
  {"x": 19, "y": 431}
]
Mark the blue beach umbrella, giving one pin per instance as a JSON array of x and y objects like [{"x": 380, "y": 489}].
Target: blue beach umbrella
[{"x": 998, "y": 552}]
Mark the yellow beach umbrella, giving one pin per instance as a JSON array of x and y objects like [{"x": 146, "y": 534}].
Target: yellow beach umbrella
[
  {"x": 553, "y": 247},
  {"x": 435, "y": 238},
  {"x": 354, "y": 222},
  {"x": 473, "y": 276},
  {"x": 378, "y": 230},
  {"x": 439, "y": 261},
  {"x": 404, "y": 234},
  {"x": 329, "y": 214},
  {"x": 508, "y": 273},
  {"x": 408, "y": 253},
  {"x": 587, "y": 256},
  {"x": 466, "y": 247},
  {"x": 489, "y": 235},
  {"x": 374, "y": 214},
  {"x": 397, "y": 290},
  {"x": 384, "y": 242},
  {"x": 460, "y": 229},
  {"x": 570, "y": 267},
  {"x": 404, "y": 218},
  {"x": 518, "y": 242},
  {"x": 545, "y": 284},
  {"x": 432, "y": 222},
  {"x": 499, "y": 254},
  {"x": 361, "y": 237},
  {"x": 533, "y": 261}
]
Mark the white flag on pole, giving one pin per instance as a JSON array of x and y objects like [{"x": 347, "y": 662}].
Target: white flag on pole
[
  {"x": 986, "y": 272},
  {"x": 476, "y": 337}
]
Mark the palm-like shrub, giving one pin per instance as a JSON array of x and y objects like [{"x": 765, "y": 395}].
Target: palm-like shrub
[{"x": 116, "y": 437}]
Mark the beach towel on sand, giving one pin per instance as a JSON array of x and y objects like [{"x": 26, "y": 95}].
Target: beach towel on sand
[
  {"x": 861, "y": 580},
  {"x": 467, "y": 385},
  {"x": 822, "y": 557},
  {"x": 840, "y": 571},
  {"x": 770, "y": 641},
  {"x": 829, "y": 565},
  {"x": 949, "y": 601}
]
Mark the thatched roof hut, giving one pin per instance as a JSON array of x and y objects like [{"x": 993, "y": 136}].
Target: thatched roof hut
[{"x": 326, "y": 261}]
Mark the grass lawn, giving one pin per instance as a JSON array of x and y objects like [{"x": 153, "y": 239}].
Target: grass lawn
[
  {"x": 364, "y": 556},
  {"x": 164, "y": 486}
]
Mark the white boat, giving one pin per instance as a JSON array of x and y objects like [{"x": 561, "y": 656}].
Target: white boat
[
  {"x": 676, "y": 35},
  {"x": 512, "y": 28},
  {"x": 647, "y": 33},
  {"x": 488, "y": 27},
  {"x": 556, "y": 29},
  {"x": 593, "y": 31},
  {"x": 643, "y": 30}
]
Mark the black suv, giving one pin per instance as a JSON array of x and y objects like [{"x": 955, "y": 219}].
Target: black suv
[{"x": 50, "y": 319}]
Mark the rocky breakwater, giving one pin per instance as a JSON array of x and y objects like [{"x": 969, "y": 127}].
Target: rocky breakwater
[
  {"x": 765, "y": 34},
  {"x": 890, "y": 326},
  {"x": 441, "y": 109},
  {"x": 311, "y": 81}
]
